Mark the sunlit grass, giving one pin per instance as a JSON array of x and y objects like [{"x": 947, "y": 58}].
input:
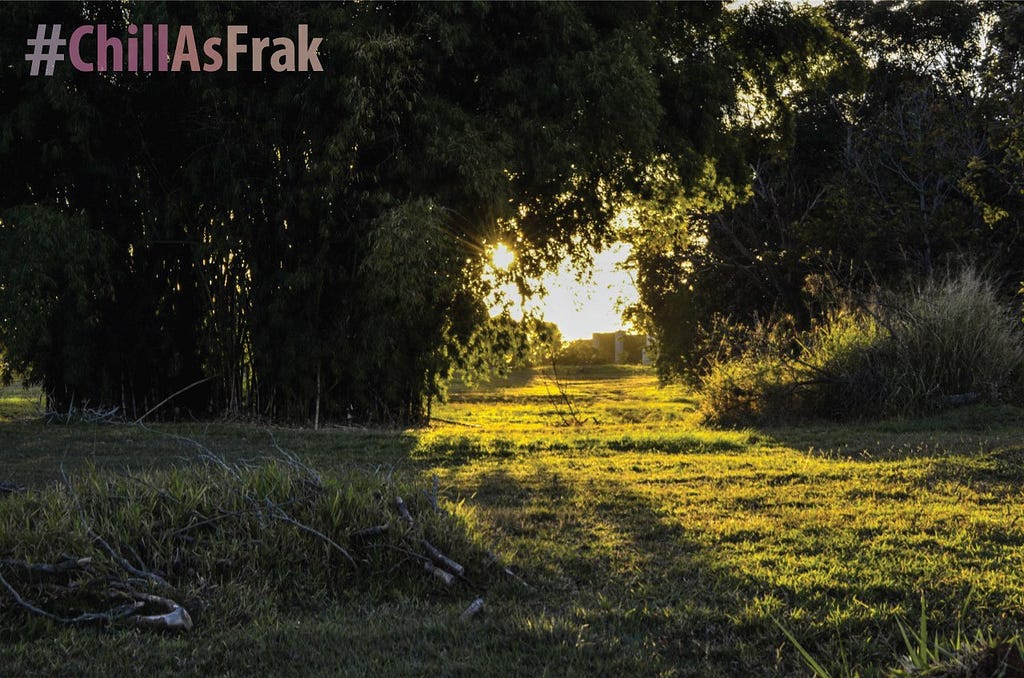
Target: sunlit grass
[
  {"x": 18, "y": 402},
  {"x": 650, "y": 544}
]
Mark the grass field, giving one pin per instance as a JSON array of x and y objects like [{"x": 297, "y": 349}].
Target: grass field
[{"x": 646, "y": 544}]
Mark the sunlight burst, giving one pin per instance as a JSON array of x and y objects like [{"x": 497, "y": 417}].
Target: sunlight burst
[{"x": 502, "y": 257}]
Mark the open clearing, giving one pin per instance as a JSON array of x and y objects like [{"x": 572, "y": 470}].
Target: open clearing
[{"x": 650, "y": 545}]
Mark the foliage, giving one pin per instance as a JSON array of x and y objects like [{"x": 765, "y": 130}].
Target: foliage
[
  {"x": 951, "y": 341},
  {"x": 501, "y": 344},
  {"x": 928, "y": 654},
  {"x": 578, "y": 352},
  {"x": 315, "y": 243},
  {"x": 886, "y": 178},
  {"x": 52, "y": 274}
]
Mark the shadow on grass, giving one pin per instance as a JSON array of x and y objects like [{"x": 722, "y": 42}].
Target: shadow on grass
[
  {"x": 634, "y": 576},
  {"x": 969, "y": 431},
  {"x": 461, "y": 450},
  {"x": 33, "y": 453},
  {"x": 645, "y": 595}
]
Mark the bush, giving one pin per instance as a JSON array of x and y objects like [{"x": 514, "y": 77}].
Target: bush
[
  {"x": 578, "y": 352},
  {"x": 749, "y": 389},
  {"x": 951, "y": 341}
]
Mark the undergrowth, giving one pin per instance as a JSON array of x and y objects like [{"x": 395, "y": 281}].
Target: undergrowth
[
  {"x": 949, "y": 343},
  {"x": 232, "y": 542}
]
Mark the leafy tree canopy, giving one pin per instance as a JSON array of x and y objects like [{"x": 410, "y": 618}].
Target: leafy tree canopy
[{"x": 298, "y": 243}]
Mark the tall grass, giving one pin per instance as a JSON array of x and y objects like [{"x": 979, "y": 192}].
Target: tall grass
[
  {"x": 951, "y": 341},
  {"x": 953, "y": 337}
]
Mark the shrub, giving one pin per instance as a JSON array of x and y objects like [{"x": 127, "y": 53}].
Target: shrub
[
  {"x": 844, "y": 365},
  {"x": 951, "y": 341},
  {"x": 749, "y": 389},
  {"x": 578, "y": 352}
]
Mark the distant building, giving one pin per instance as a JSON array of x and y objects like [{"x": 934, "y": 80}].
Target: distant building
[{"x": 621, "y": 348}]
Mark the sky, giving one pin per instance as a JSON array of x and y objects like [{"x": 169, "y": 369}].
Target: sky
[{"x": 580, "y": 309}]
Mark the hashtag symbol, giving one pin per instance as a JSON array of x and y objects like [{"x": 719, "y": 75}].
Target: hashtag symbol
[{"x": 45, "y": 49}]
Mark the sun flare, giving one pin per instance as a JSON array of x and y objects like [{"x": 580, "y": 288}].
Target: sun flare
[{"x": 502, "y": 257}]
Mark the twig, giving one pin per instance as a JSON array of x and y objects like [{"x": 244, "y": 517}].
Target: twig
[
  {"x": 111, "y": 615},
  {"x": 403, "y": 510},
  {"x": 205, "y": 522},
  {"x": 280, "y": 514},
  {"x": 291, "y": 460},
  {"x": 563, "y": 396},
  {"x": 404, "y": 551},
  {"x": 170, "y": 397},
  {"x": 493, "y": 559},
  {"x": 432, "y": 497},
  {"x": 208, "y": 456},
  {"x": 65, "y": 565},
  {"x": 10, "y": 488}
]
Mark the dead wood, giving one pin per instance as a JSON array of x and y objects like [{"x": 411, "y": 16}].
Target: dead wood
[
  {"x": 442, "y": 560},
  {"x": 474, "y": 608},
  {"x": 447, "y": 577},
  {"x": 403, "y": 510},
  {"x": 367, "y": 533},
  {"x": 109, "y": 616},
  {"x": 67, "y": 564},
  {"x": 10, "y": 488},
  {"x": 432, "y": 497},
  {"x": 279, "y": 514},
  {"x": 173, "y": 617}
]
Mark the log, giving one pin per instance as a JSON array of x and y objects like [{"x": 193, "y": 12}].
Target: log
[
  {"x": 367, "y": 533},
  {"x": 474, "y": 608},
  {"x": 442, "y": 560},
  {"x": 447, "y": 577}
]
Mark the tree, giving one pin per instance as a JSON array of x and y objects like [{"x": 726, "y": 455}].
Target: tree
[
  {"x": 305, "y": 245},
  {"x": 874, "y": 179}
]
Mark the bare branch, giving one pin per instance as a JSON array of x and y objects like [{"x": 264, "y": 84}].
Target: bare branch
[
  {"x": 279, "y": 514},
  {"x": 64, "y": 566},
  {"x": 85, "y": 618},
  {"x": 172, "y": 396}
]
